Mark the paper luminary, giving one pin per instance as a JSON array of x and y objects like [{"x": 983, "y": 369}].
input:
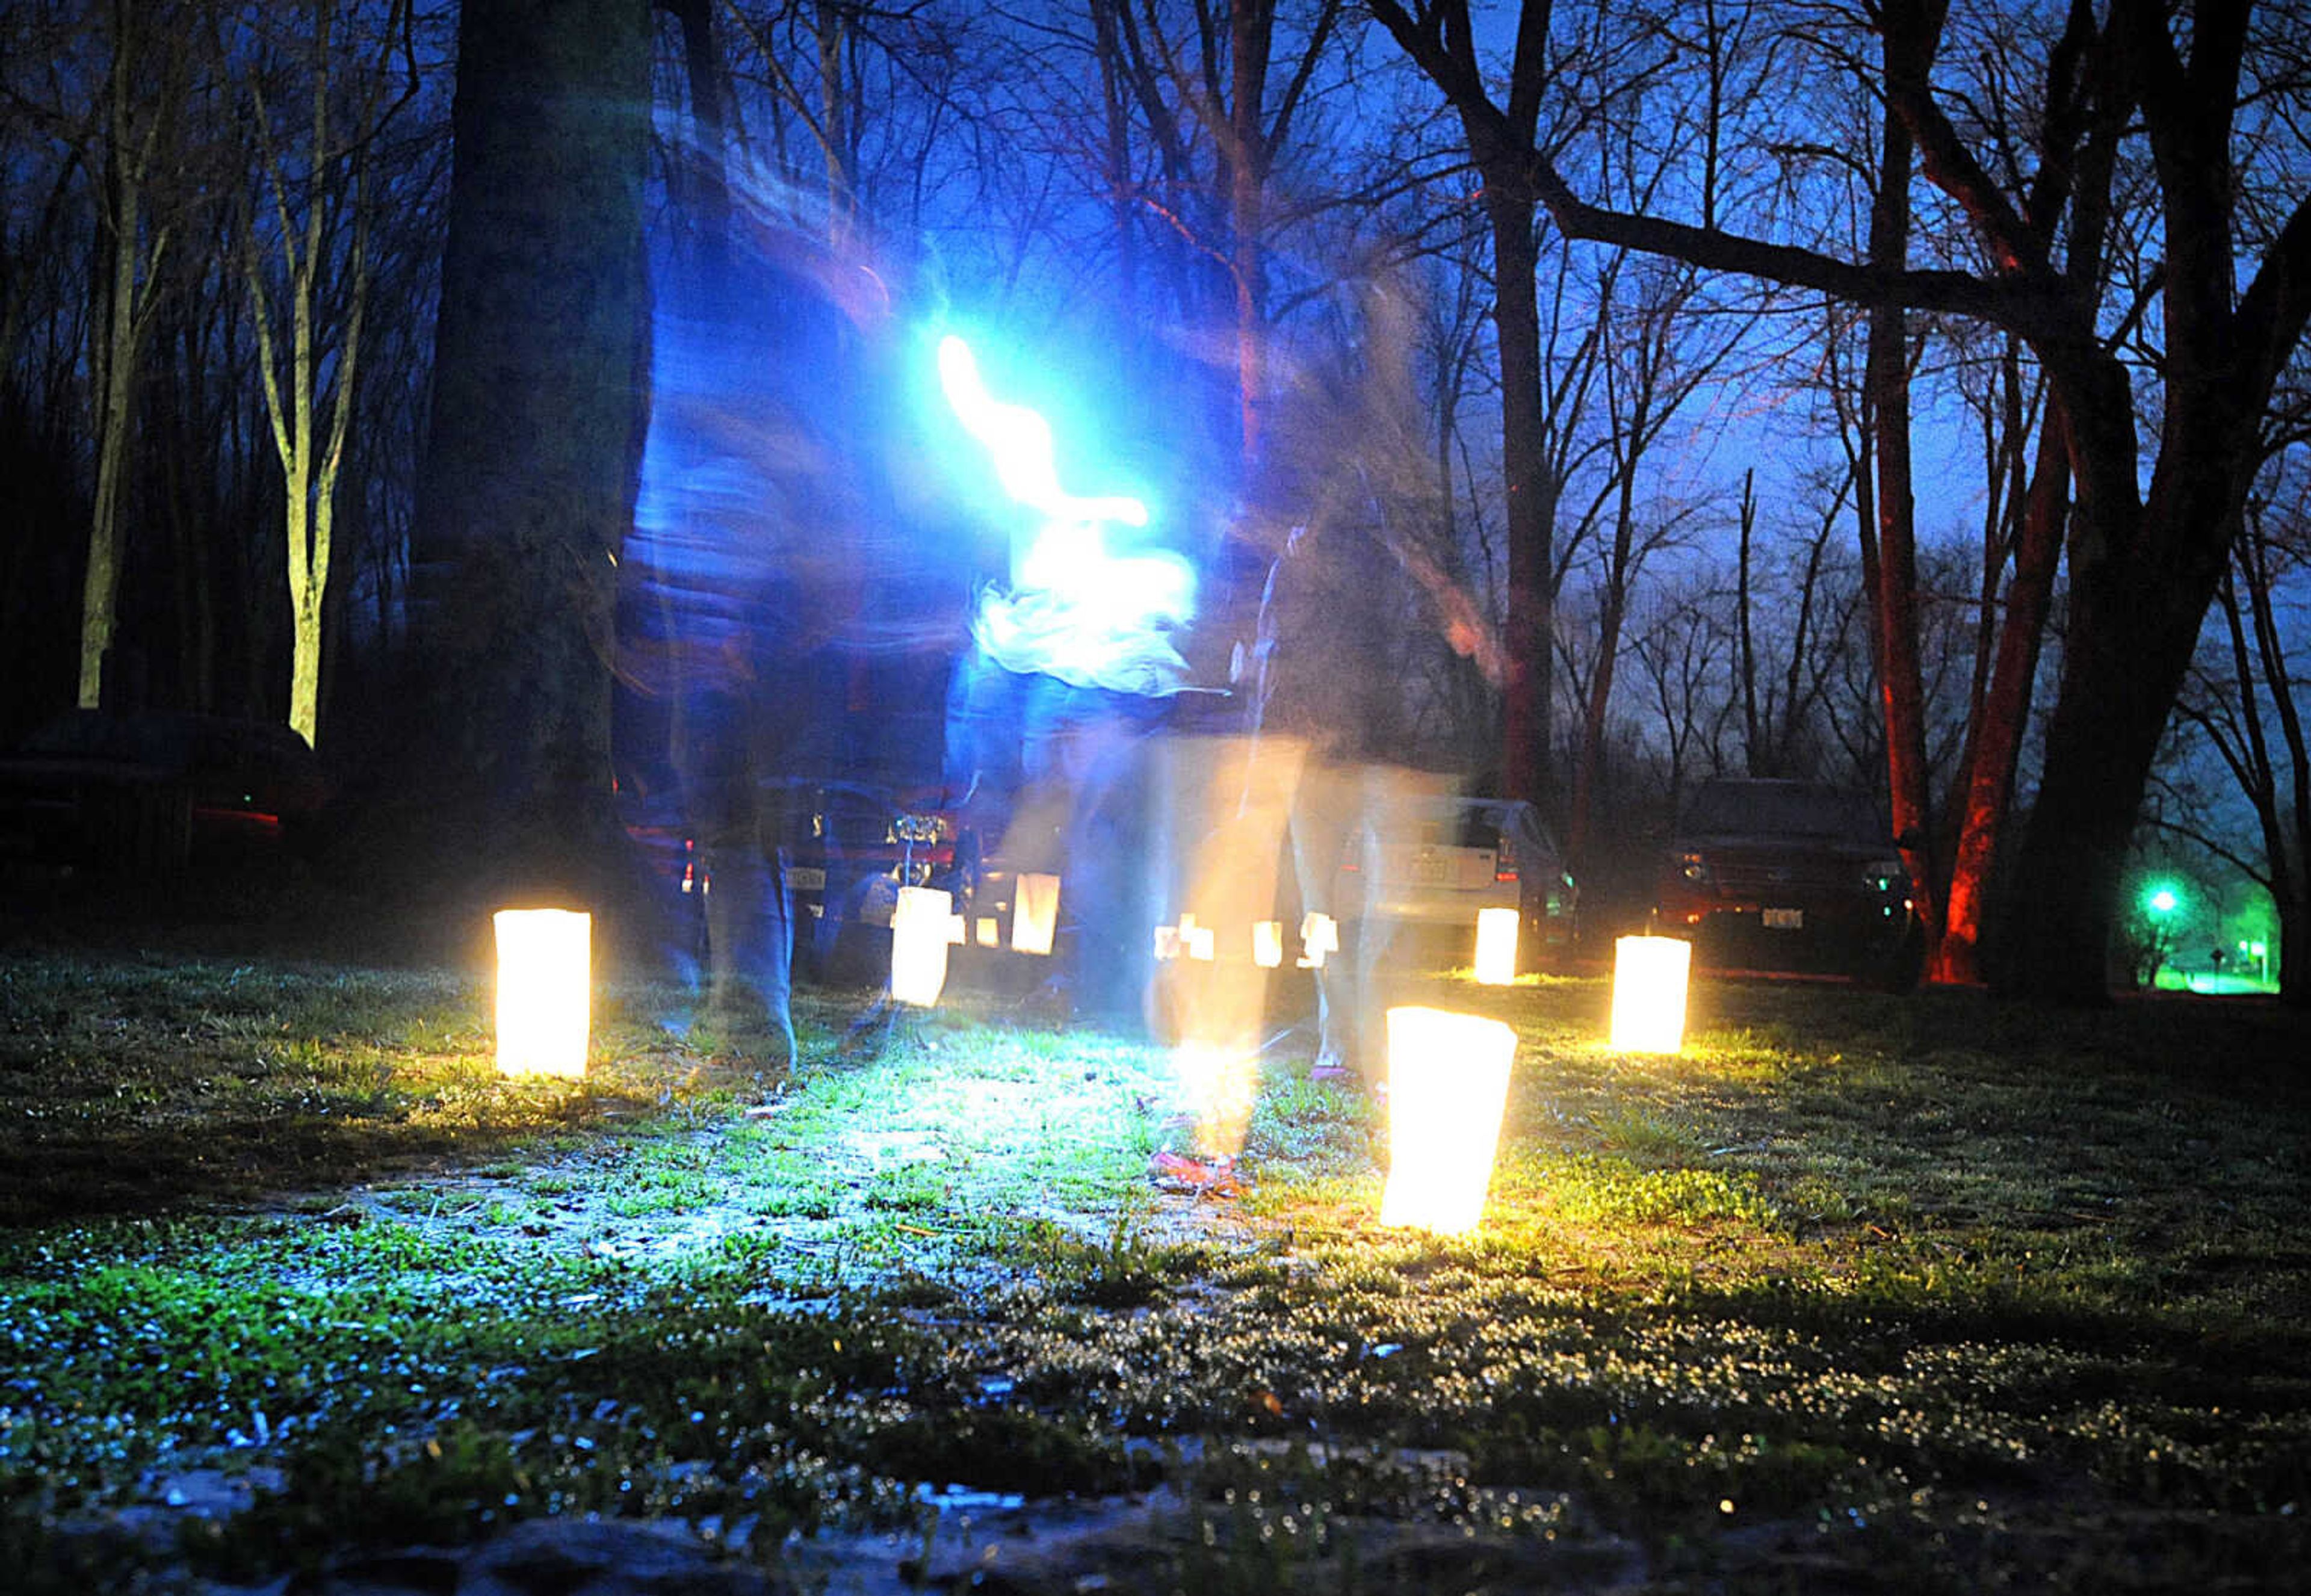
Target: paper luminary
[
  {"x": 544, "y": 991},
  {"x": 919, "y": 945},
  {"x": 1649, "y": 982},
  {"x": 1035, "y": 912},
  {"x": 1267, "y": 943},
  {"x": 1319, "y": 935},
  {"x": 1448, "y": 1083},
  {"x": 1496, "y": 946}
]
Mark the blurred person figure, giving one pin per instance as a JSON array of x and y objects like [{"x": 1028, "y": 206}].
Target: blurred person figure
[
  {"x": 1073, "y": 661},
  {"x": 746, "y": 567}
]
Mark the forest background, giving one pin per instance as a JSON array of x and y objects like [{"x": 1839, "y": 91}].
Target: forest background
[{"x": 1907, "y": 395}]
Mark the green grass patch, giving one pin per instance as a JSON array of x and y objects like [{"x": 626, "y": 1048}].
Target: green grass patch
[{"x": 1943, "y": 1293}]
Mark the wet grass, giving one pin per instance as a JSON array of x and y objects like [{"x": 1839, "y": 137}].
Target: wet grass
[{"x": 1858, "y": 1293}]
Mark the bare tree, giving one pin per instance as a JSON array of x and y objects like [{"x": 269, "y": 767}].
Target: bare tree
[
  {"x": 315, "y": 212},
  {"x": 1653, "y": 365},
  {"x": 1503, "y": 136},
  {"x": 1679, "y": 645},
  {"x": 1228, "y": 85},
  {"x": 145, "y": 85},
  {"x": 2233, "y": 705},
  {"x": 2145, "y": 564},
  {"x": 1775, "y": 730}
]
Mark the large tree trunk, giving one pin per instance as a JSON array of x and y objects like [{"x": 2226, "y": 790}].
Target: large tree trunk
[
  {"x": 141, "y": 93},
  {"x": 114, "y": 357},
  {"x": 1443, "y": 42},
  {"x": 2119, "y": 682},
  {"x": 528, "y": 480},
  {"x": 100, "y": 580},
  {"x": 2004, "y": 715},
  {"x": 1526, "y": 686},
  {"x": 1251, "y": 35},
  {"x": 2142, "y": 576},
  {"x": 1910, "y": 38}
]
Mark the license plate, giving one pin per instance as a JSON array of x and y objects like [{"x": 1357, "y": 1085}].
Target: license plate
[
  {"x": 1784, "y": 919},
  {"x": 806, "y": 878},
  {"x": 1428, "y": 872}
]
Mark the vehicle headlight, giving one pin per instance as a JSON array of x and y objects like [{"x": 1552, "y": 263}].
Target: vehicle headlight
[{"x": 1693, "y": 868}]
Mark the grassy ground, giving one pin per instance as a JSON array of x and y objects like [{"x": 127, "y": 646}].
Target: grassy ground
[{"x": 1861, "y": 1293}]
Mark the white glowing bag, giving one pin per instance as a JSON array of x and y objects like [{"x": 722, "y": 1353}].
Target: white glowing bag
[
  {"x": 544, "y": 991},
  {"x": 1650, "y": 975},
  {"x": 1448, "y": 1084},
  {"x": 1496, "y": 946},
  {"x": 920, "y": 930},
  {"x": 1035, "y": 912}
]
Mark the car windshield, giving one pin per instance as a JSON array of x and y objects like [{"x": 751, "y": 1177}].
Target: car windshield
[
  {"x": 1451, "y": 825},
  {"x": 1783, "y": 809},
  {"x": 83, "y": 735},
  {"x": 1497, "y": 825}
]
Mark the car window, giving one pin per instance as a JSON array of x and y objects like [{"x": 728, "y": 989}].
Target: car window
[
  {"x": 85, "y": 734},
  {"x": 1783, "y": 809},
  {"x": 72, "y": 734},
  {"x": 1475, "y": 823}
]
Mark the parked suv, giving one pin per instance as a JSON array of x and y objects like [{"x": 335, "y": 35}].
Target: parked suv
[
  {"x": 1789, "y": 875},
  {"x": 94, "y": 793}
]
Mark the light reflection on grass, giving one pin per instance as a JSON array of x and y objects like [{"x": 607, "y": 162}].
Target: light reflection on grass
[{"x": 1846, "y": 1251}]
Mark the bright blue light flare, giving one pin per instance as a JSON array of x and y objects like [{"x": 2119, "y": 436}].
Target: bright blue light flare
[
  {"x": 1019, "y": 442},
  {"x": 1077, "y": 609}
]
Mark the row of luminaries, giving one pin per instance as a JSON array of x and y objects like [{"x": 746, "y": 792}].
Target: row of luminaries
[{"x": 1448, "y": 1074}]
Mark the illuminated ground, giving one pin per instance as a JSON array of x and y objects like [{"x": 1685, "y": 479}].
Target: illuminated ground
[{"x": 1860, "y": 1294}]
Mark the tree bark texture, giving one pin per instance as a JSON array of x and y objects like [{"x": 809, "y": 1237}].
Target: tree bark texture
[
  {"x": 529, "y": 482},
  {"x": 118, "y": 339},
  {"x": 1528, "y": 639},
  {"x": 1910, "y": 38},
  {"x": 1995, "y": 750},
  {"x": 1501, "y": 144}
]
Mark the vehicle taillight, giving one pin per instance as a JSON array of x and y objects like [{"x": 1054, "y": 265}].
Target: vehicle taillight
[{"x": 1504, "y": 865}]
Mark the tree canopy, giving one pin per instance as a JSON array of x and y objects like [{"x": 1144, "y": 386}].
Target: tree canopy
[{"x": 1870, "y": 392}]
